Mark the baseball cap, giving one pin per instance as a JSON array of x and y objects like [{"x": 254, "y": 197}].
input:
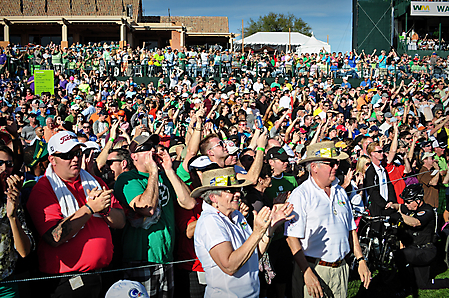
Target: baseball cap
[
  {"x": 427, "y": 154},
  {"x": 100, "y": 104},
  {"x": 363, "y": 126},
  {"x": 121, "y": 113},
  {"x": 42, "y": 105},
  {"x": 75, "y": 107},
  {"x": 341, "y": 127},
  {"x": 440, "y": 144},
  {"x": 141, "y": 140},
  {"x": 388, "y": 115},
  {"x": 103, "y": 112},
  {"x": 127, "y": 288},
  {"x": 63, "y": 142},
  {"x": 277, "y": 153},
  {"x": 92, "y": 145},
  {"x": 374, "y": 128},
  {"x": 232, "y": 148}
]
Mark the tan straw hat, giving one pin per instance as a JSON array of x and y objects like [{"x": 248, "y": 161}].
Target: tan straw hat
[
  {"x": 224, "y": 178},
  {"x": 323, "y": 151}
]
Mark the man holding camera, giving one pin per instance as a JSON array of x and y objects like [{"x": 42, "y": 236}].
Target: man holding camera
[{"x": 147, "y": 194}]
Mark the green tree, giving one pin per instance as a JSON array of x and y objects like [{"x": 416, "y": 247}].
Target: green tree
[{"x": 274, "y": 22}]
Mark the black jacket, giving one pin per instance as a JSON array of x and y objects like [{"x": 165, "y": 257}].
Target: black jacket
[{"x": 376, "y": 203}]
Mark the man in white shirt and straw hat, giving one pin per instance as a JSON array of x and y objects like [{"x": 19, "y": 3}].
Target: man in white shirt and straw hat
[{"x": 322, "y": 232}]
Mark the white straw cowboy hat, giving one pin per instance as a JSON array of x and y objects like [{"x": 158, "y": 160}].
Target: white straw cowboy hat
[
  {"x": 224, "y": 178},
  {"x": 323, "y": 151}
]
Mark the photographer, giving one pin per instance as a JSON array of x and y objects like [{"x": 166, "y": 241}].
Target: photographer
[{"x": 417, "y": 237}]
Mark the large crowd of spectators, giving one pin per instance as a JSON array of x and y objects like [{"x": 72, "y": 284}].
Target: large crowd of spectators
[
  {"x": 395, "y": 120},
  {"x": 109, "y": 59}
]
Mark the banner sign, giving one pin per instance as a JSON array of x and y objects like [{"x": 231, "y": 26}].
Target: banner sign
[
  {"x": 422, "y": 8},
  {"x": 44, "y": 81}
]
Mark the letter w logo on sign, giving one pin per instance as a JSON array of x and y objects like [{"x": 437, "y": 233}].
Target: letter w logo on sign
[
  {"x": 443, "y": 8},
  {"x": 421, "y": 7}
]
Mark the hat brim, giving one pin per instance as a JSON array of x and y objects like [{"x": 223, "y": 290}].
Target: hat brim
[
  {"x": 341, "y": 156},
  {"x": 200, "y": 190}
]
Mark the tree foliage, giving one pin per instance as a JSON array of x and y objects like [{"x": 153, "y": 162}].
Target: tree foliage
[{"x": 274, "y": 22}]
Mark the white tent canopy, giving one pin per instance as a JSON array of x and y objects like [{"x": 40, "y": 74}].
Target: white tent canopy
[
  {"x": 313, "y": 45},
  {"x": 281, "y": 40},
  {"x": 275, "y": 38}
]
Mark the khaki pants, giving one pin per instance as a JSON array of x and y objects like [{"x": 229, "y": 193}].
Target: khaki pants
[{"x": 334, "y": 281}]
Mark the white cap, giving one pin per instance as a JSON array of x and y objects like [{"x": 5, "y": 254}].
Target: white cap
[
  {"x": 224, "y": 96},
  {"x": 75, "y": 107},
  {"x": 427, "y": 154},
  {"x": 197, "y": 100},
  {"x": 92, "y": 145},
  {"x": 127, "y": 288},
  {"x": 232, "y": 148},
  {"x": 185, "y": 94},
  {"x": 63, "y": 142}
]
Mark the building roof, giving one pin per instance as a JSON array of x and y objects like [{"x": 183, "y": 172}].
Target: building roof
[
  {"x": 193, "y": 24},
  {"x": 71, "y": 8}
]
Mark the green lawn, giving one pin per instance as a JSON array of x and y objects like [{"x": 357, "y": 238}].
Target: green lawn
[{"x": 382, "y": 290}]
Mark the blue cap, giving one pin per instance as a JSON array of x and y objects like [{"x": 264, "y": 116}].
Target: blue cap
[
  {"x": 363, "y": 126},
  {"x": 374, "y": 128}
]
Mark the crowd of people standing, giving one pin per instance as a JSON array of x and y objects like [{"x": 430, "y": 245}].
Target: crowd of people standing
[{"x": 252, "y": 186}]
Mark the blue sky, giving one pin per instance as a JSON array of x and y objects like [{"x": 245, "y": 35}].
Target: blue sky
[{"x": 326, "y": 17}]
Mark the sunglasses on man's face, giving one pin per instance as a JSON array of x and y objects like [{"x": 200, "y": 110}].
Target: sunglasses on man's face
[
  {"x": 8, "y": 163},
  {"x": 69, "y": 155},
  {"x": 111, "y": 161},
  {"x": 145, "y": 147},
  {"x": 220, "y": 143}
]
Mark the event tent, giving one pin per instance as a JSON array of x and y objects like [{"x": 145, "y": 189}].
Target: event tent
[
  {"x": 313, "y": 45},
  {"x": 279, "y": 41}
]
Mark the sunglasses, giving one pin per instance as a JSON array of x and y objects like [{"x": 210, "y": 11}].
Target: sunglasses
[
  {"x": 8, "y": 163},
  {"x": 86, "y": 126},
  {"x": 111, "y": 161},
  {"x": 332, "y": 163},
  {"x": 220, "y": 143},
  {"x": 145, "y": 147},
  {"x": 69, "y": 155},
  {"x": 409, "y": 201}
]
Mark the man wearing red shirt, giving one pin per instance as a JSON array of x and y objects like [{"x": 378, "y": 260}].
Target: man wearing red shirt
[
  {"x": 72, "y": 212},
  {"x": 396, "y": 171}
]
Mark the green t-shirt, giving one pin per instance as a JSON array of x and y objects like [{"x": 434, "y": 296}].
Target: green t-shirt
[
  {"x": 156, "y": 243},
  {"x": 70, "y": 118},
  {"x": 183, "y": 174},
  {"x": 442, "y": 164},
  {"x": 280, "y": 185}
]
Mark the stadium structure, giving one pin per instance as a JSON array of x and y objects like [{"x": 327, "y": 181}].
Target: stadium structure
[
  {"x": 82, "y": 21},
  {"x": 405, "y": 25}
]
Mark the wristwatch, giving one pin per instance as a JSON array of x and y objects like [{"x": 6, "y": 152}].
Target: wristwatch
[{"x": 361, "y": 259}]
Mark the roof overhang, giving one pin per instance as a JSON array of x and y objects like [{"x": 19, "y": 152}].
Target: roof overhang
[{"x": 66, "y": 19}]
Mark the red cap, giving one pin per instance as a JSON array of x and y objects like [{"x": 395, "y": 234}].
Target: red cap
[
  {"x": 341, "y": 127},
  {"x": 121, "y": 113},
  {"x": 100, "y": 104}
]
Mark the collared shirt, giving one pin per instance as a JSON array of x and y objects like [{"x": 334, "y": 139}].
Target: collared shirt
[
  {"x": 382, "y": 174},
  {"x": 213, "y": 228},
  {"x": 322, "y": 223}
]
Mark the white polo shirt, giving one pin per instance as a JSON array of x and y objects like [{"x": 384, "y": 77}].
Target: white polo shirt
[
  {"x": 321, "y": 223},
  {"x": 213, "y": 228}
]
